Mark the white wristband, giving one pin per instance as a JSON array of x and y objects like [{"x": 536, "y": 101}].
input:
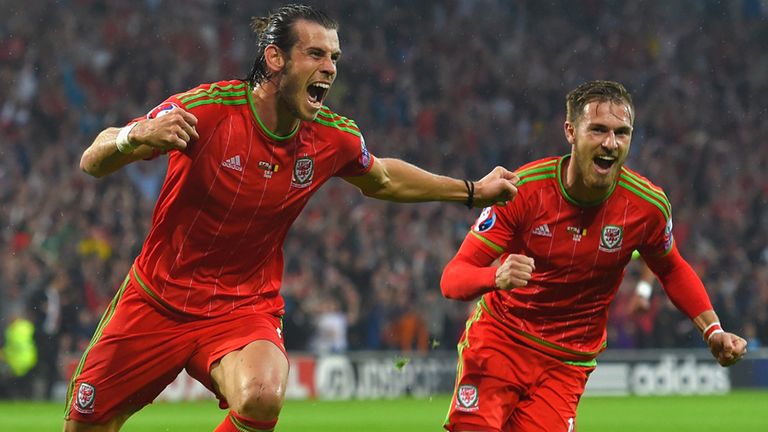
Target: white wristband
[
  {"x": 124, "y": 145},
  {"x": 711, "y": 330},
  {"x": 644, "y": 289}
]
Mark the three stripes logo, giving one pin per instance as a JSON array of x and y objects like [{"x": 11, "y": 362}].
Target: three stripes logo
[
  {"x": 543, "y": 230},
  {"x": 233, "y": 163}
]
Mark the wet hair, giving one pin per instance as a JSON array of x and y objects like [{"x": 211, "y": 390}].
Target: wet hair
[
  {"x": 277, "y": 29},
  {"x": 603, "y": 91}
]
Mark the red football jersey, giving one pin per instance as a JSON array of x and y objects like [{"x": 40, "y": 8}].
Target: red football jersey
[
  {"x": 579, "y": 250},
  {"x": 230, "y": 197}
]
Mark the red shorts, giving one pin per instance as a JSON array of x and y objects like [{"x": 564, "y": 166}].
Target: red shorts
[
  {"x": 137, "y": 350},
  {"x": 502, "y": 385}
]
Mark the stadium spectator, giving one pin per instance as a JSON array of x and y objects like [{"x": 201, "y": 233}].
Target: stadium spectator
[
  {"x": 244, "y": 157},
  {"x": 563, "y": 243},
  {"x": 46, "y": 311}
]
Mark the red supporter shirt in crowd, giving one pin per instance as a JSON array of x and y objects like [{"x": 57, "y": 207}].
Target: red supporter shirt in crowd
[
  {"x": 229, "y": 199},
  {"x": 579, "y": 251}
]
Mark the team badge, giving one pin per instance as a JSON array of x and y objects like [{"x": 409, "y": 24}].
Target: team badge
[
  {"x": 486, "y": 220},
  {"x": 302, "y": 172},
  {"x": 668, "y": 239},
  {"x": 86, "y": 396},
  {"x": 610, "y": 238},
  {"x": 467, "y": 398},
  {"x": 162, "y": 109},
  {"x": 365, "y": 156}
]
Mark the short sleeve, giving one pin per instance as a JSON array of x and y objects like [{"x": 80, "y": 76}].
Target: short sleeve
[{"x": 358, "y": 160}]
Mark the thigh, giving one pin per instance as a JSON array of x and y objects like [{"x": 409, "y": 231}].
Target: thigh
[
  {"x": 134, "y": 353},
  {"x": 237, "y": 349},
  {"x": 551, "y": 406},
  {"x": 489, "y": 378}
]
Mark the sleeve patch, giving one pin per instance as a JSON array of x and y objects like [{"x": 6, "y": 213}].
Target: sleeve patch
[
  {"x": 365, "y": 155},
  {"x": 161, "y": 110},
  {"x": 668, "y": 238},
  {"x": 486, "y": 220}
]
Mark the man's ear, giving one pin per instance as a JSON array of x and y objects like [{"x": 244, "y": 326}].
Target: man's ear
[
  {"x": 570, "y": 132},
  {"x": 274, "y": 58}
]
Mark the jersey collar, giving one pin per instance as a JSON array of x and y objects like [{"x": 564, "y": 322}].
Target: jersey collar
[
  {"x": 263, "y": 128},
  {"x": 569, "y": 198}
]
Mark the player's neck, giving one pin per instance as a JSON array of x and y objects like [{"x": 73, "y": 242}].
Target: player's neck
[
  {"x": 272, "y": 114},
  {"x": 574, "y": 184}
]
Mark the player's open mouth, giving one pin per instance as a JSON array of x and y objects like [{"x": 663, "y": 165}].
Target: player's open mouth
[
  {"x": 604, "y": 163},
  {"x": 316, "y": 93}
]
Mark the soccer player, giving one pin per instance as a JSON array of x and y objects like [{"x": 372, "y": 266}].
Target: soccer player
[
  {"x": 563, "y": 243},
  {"x": 244, "y": 157}
]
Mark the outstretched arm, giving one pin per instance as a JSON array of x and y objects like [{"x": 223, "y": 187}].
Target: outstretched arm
[
  {"x": 687, "y": 292},
  {"x": 111, "y": 150},
  {"x": 397, "y": 180}
]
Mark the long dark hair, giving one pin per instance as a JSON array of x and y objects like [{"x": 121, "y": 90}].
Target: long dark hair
[{"x": 277, "y": 28}]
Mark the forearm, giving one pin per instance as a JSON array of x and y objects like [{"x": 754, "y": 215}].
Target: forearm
[
  {"x": 681, "y": 284},
  {"x": 462, "y": 281},
  {"x": 470, "y": 273},
  {"x": 408, "y": 183},
  {"x": 705, "y": 319},
  {"x": 103, "y": 158}
]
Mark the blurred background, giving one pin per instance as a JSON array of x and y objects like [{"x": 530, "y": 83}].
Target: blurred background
[{"x": 455, "y": 86}]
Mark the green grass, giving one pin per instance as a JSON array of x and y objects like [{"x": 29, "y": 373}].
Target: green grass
[{"x": 738, "y": 411}]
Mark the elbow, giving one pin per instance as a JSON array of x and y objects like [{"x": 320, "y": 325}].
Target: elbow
[
  {"x": 90, "y": 168},
  {"x": 448, "y": 287}
]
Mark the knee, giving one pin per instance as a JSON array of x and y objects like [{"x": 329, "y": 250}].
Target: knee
[{"x": 260, "y": 400}]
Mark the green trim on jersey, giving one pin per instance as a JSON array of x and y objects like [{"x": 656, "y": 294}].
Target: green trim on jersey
[
  {"x": 150, "y": 292},
  {"x": 331, "y": 119},
  {"x": 542, "y": 171},
  {"x": 460, "y": 347},
  {"x": 572, "y": 200},
  {"x": 214, "y": 94},
  {"x": 264, "y": 128},
  {"x": 488, "y": 243},
  {"x": 217, "y": 101},
  {"x": 543, "y": 342},
  {"x": 212, "y": 88},
  {"x": 646, "y": 191},
  {"x": 586, "y": 364},
  {"x": 95, "y": 338}
]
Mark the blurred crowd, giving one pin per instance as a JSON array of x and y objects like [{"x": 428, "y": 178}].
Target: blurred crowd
[{"x": 455, "y": 86}]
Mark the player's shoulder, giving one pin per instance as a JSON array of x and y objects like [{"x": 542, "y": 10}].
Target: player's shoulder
[
  {"x": 539, "y": 172},
  {"x": 329, "y": 121},
  {"x": 643, "y": 192},
  {"x": 218, "y": 94}
]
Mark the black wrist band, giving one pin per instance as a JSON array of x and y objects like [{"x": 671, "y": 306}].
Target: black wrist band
[{"x": 470, "y": 193}]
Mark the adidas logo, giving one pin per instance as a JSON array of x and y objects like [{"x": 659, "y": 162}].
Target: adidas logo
[
  {"x": 233, "y": 163},
  {"x": 542, "y": 230}
]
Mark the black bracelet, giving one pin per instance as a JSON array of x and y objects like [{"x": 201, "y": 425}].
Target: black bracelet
[{"x": 470, "y": 193}]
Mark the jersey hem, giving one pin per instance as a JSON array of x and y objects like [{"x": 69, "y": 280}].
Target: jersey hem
[{"x": 566, "y": 355}]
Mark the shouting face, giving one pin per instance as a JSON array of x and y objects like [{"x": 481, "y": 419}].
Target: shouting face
[
  {"x": 310, "y": 70},
  {"x": 600, "y": 139}
]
